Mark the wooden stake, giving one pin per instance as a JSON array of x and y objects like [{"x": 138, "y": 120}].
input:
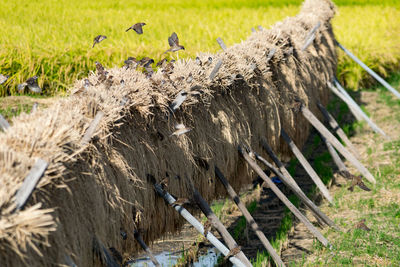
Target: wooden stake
[
  {"x": 216, "y": 223},
  {"x": 139, "y": 239},
  {"x": 311, "y": 36},
  {"x": 92, "y": 128},
  {"x": 335, "y": 156},
  {"x": 4, "y": 125},
  {"x": 291, "y": 183},
  {"x": 284, "y": 199},
  {"x": 303, "y": 161},
  {"x": 197, "y": 225},
  {"x": 333, "y": 140},
  {"x": 335, "y": 127},
  {"x": 30, "y": 182},
  {"x": 221, "y": 43},
  {"x": 250, "y": 220},
  {"x": 215, "y": 70}
]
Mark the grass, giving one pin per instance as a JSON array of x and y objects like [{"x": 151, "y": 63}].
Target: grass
[{"x": 52, "y": 39}]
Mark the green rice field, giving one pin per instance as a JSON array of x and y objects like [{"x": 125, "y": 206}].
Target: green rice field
[{"x": 53, "y": 39}]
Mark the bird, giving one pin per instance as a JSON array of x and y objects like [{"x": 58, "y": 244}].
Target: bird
[
  {"x": 361, "y": 225},
  {"x": 357, "y": 180},
  {"x": 233, "y": 252},
  {"x": 32, "y": 85},
  {"x": 3, "y": 78},
  {"x": 146, "y": 61},
  {"x": 130, "y": 62},
  {"x": 181, "y": 202},
  {"x": 207, "y": 226},
  {"x": 137, "y": 27},
  {"x": 162, "y": 62},
  {"x": 173, "y": 42},
  {"x": 98, "y": 39},
  {"x": 164, "y": 183}
]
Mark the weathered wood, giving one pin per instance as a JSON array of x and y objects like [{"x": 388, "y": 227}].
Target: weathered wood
[
  {"x": 303, "y": 161},
  {"x": 92, "y": 128},
  {"x": 215, "y": 70},
  {"x": 30, "y": 183},
  {"x": 352, "y": 104},
  {"x": 311, "y": 36},
  {"x": 34, "y": 107},
  {"x": 344, "y": 98},
  {"x": 139, "y": 239},
  {"x": 333, "y": 140},
  {"x": 271, "y": 53},
  {"x": 335, "y": 156},
  {"x": 371, "y": 72},
  {"x": 217, "y": 224},
  {"x": 221, "y": 43},
  {"x": 250, "y": 220},
  {"x": 284, "y": 199},
  {"x": 336, "y": 128},
  {"x": 291, "y": 183},
  {"x": 4, "y": 125},
  {"x": 179, "y": 99},
  {"x": 196, "y": 224}
]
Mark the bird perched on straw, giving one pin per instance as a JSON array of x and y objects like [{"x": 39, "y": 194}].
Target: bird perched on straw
[
  {"x": 32, "y": 85},
  {"x": 137, "y": 27},
  {"x": 98, "y": 39},
  {"x": 173, "y": 42}
]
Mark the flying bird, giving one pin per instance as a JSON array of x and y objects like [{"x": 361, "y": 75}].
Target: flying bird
[
  {"x": 3, "y": 78},
  {"x": 357, "y": 181},
  {"x": 138, "y": 27},
  {"x": 361, "y": 225},
  {"x": 98, "y": 39},
  {"x": 173, "y": 42}
]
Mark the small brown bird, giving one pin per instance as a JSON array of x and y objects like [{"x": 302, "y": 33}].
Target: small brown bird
[
  {"x": 32, "y": 85},
  {"x": 181, "y": 202},
  {"x": 233, "y": 252},
  {"x": 138, "y": 27},
  {"x": 163, "y": 62},
  {"x": 173, "y": 42},
  {"x": 101, "y": 73},
  {"x": 131, "y": 62},
  {"x": 3, "y": 78},
  {"x": 146, "y": 61},
  {"x": 98, "y": 39},
  {"x": 207, "y": 227},
  {"x": 357, "y": 180},
  {"x": 164, "y": 183},
  {"x": 361, "y": 225}
]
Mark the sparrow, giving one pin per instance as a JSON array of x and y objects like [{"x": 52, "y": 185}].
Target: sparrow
[
  {"x": 146, "y": 61},
  {"x": 3, "y": 78},
  {"x": 162, "y": 62},
  {"x": 100, "y": 72},
  {"x": 138, "y": 27},
  {"x": 98, "y": 39},
  {"x": 180, "y": 202},
  {"x": 180, "y": 129},
  {"x": 233, "y": 252},
  {"x": 207, "y": 227},
  {"x": 164, "y": 183},
  {"x": 130, "y": 62},
  {"x": 32, "y": 85},
  {"x": 357, "y": 180},
  {"x": 361, "y": 225},
  {"x": 173, "y": 42}
]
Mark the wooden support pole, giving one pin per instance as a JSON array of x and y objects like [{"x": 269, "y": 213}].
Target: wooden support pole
[
  {"x": 284, "y": 199},
  {"x": 221, "y": 43},
  {"x": 371, "y": 72},
  {"x": 30, "y": 182},
  {"x": 339, "y": 90},
  {"x": 311, "y": 36},
  {"x": 291, "y": 183},
  {"x": 92, "y": 128},
  {"x": 336, "y": 128},
  {"x": 333, "y": 140},
  {"x": 34, "y": 107},
  {"x": 303, "y": 161},
  {"x": 215, "y": 70},
  {"x": 4, "y": 125},
  {"x": 347, "y": 99},
  {"x": 335, "y": 156},
  {"x": 139, "y": 239},
  {"x": 217, "y": 224},
  {"x": 197, "y": 225},
  {"x": 250, "y": 220}
]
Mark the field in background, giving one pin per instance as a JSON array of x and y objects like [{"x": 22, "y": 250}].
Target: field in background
[{"x": 53, "y": 39}]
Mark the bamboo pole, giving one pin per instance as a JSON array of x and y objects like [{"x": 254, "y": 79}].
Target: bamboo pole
[
  {"x": 284, "y": 199},
  {"x": 333, "y": 140},
  {"x": 250, "y": 220},
  {"x": 139, "y": 239},
  {"x": 291, "y": 183},
  {"x": 309, "y": 169},
  {"x": 335, "y": 127},
  {"x": 217, "y": 224},
  {"x": 221, "y": 43},
  {"x": 311, "y": 36},
  {"x": 215, "y": 70},
  {"x": 371, "y": 72},
  {"x": 4, "y": 125},
  {"x": 92, "y": 128},
  {"x": 197, "y": 225}
]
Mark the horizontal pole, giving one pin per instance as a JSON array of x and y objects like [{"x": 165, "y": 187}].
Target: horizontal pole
[{"x": 371, "y": 72}]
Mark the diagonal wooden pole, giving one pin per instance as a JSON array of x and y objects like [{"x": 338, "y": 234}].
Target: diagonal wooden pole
[
  {"x": 309, "y": 169},
  {"x": 371, "y": 72},
  {"x": 291, "y": 183},
  {"x": 284, "y": 199},
  {"x": 336, "y": 128},
  {"x": 250, "y": 220},
  {"x": 139, "y": 239},
  {"x": 217, "y": 224},
  {"x": 196, "y": 224},
  {"x": 333, "y": 140}
]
